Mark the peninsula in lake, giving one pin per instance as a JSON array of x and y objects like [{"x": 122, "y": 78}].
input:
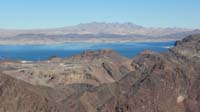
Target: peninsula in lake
[{"x": 94, "y": 32}]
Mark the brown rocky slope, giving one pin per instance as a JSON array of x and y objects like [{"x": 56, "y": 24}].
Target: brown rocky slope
[{"x": 150, "y": 82}]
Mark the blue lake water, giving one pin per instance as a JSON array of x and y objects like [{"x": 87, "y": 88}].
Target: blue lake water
[{"x": 43, "y": 52}]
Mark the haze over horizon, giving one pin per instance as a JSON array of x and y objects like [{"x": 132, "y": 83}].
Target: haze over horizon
[
  {"x": 34, "y": 14},
  {"x": 87, "y": 24}
]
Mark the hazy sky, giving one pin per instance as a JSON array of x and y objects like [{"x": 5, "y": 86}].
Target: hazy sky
[{"x": 57, "y": 13}]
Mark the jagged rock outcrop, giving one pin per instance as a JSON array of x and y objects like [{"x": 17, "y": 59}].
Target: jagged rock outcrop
[
  {"x": 149, "y": 82},
  {"x": 160, "y": 83},
  {"x": 188, "y": 48}
]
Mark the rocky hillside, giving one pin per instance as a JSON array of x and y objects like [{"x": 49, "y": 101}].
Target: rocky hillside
[{"x": 103, "y": 81}]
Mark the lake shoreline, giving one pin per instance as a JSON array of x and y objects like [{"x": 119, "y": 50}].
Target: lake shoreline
[{"x": 98, "y": 41}]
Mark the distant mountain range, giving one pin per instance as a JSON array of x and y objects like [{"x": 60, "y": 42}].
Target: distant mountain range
[{"x": 95, "y": 31}]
